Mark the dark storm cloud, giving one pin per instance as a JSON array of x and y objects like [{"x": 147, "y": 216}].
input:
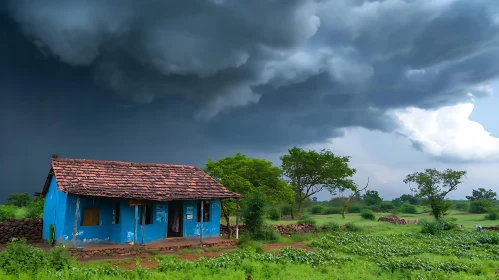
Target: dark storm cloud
[{"x": 179, "y": 81}]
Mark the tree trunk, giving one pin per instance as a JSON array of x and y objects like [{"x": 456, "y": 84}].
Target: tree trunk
[{"x": 226, "y": 215}]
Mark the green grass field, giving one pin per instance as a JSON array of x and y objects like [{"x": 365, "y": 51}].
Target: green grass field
[{"x": 380, "y": 251}]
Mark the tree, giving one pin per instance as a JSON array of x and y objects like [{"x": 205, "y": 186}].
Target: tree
[
  {"x": 482, "y": 193},
  {"x": 18, "y": 199},
  {"x": 356, "y": 193},
  {"x": 372, "y": 198},
  {"x": 310, "y": 172},
  {"x": 253, "y": 213},
  {"x": 245, "y": 175},
  {"x": 481, "y": 206},
  {"x": 434, "y": 185}
]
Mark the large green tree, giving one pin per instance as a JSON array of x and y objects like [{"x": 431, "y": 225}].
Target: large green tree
[
  {"x": 434, "y": 185},
  {"x": 482, "y": 193},
  {"x": 310, "y": 172},
  {"x": 245, "y": 175}
]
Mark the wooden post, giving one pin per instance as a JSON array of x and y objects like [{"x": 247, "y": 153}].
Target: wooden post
[
  {"x": 136, "y": 224},
  {"x": 77, "y": 214},
  {"x": 143, "y": 222},
  {"x": 237, "y": 218},
  {"x": 202, "y": 220}
]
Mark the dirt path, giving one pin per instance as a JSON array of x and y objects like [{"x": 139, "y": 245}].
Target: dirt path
[{"x": 129, "y": 263}]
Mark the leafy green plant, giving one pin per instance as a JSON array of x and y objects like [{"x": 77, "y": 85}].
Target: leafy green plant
[
  {"x": 35, "y": 208},
  {"x": 248, "y": 244},
  {"x": 408, "y": 208},
  {"x": 368, "y": 214},
  {"x": 317, "y": 209},
  {"x": 332, "y": 227},
  {"x": 253, "y": 213},
  {"x": 305, "y": 220},
  {"x": 19, "y": 257},
  {"x": 7, "y": 212},
  {"x": 352, "y": 227},
  {"x": 492, "y": 216},
  {"x": 274, "y": 213}
]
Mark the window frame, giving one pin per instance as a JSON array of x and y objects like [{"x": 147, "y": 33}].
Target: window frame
[
  {"x": 92, "y": 212},
  {"x": 146, "y": 218},
  {"x": 117, "y": 213},
  {"x": 206, "y": 209}
]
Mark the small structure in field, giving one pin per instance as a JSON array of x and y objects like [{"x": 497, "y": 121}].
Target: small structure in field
[{"x": 91, "y": 201}]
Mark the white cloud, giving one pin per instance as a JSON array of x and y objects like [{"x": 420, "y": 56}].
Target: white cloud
[{"x": 448, "y": 132}]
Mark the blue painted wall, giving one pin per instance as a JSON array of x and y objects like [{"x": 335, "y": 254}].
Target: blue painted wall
[
  {"x": 54, "y": 211},
  {"x": 210, "y": 229},
  {"x": 60, "y": 210}
]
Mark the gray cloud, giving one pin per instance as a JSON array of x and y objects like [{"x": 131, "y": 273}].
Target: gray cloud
[{"x": 180, "y": 81}]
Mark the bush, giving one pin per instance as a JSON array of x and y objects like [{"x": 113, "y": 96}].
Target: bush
[
  {"x": 332, "y": 210},
  {"x": 462, "y": 206},
  {"x": 387, "y": 207},
  {"x": 35, "y": 208},
  {"x": 268, "y": 235},
  {"x": 435, "y": 227},
  {"x": 7, "y": 212},
  {"x": 481, "y": 206},
  {"x": 286, "y": 210},
  {"x": 332, "y": 227},
  {"x": 352, "y": 227},
  {"x": 355, "y": 208},
  {"x": 306, "y": 221},
  {"x": 59, "y": 258},
  {"x": 375, "y": 208},
  {"x": 367, "y": 214},
  {"x": 408, "y": 208},
  {"x": 317, "y": 209},
  {"x": 19, "y": 257},
  {"x": 253, "y": 213},
  {"x": 274, "y": 214},
  {"x": 246, "y": 243},
  {"x": 492, "y": 216}
]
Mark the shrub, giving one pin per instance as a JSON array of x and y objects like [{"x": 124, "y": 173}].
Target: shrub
[
  {"x": 19, "y": 257},
  {"x": 286, "y": 210},
  {"x": 355, "y": 208},
  {"x": 492, "y": 216},
  {"x": 352, "y": 227},
  {"x": 268, "y": 235},
  {"x": 481, "y": 206},
  {"x": 367, "y": 214},
  {"x": 7, "y": 212},
  {"x": 386, "y": 207},
  {"x": 35, "y": 208},
  {"x": 306, "y": 221},
  {"x": 408, "y": 208},
  {"x": 246, "y": 243},
  {"x": 332, "y": 210},
  {"x": 332, "y": 227},
  {"x": 317, "y": 209},
  {"x": 375, "y": 208},
  {"x": 59, "y": 258},
  {"x": 462, "y": 206},
  {"x": 253, "y": 212},
  {"x": 435, "y": 227},
  {"x": 274, "y": 214}
]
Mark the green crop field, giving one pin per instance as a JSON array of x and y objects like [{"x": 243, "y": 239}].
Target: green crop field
[{"x": 379, "y": 250}]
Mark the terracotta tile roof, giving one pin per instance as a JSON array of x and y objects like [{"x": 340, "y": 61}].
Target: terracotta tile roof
[{"x": 134, "y": 180}]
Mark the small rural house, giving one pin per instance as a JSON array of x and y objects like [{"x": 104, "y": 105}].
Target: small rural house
[{"x": 91, "y": 201}]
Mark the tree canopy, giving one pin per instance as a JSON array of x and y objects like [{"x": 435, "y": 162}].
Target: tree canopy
[
  {"x": 19, "y": 199},
  {"x": 310, "y": 172},
  {"x": 246, "y": 175},
  {"x": 482, "y": 193},
  {"x": 434, "y": 185},
  {"x": 372, "y": 198}
]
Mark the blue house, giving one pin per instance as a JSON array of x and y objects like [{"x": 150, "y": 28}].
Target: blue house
[{"x": 90, "y": 201}]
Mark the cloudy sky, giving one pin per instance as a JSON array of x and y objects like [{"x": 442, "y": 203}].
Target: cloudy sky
[{"x": 398, "y": 85}]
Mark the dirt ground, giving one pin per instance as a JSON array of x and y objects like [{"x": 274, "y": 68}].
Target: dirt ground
[{"x": 129, "y": 263}]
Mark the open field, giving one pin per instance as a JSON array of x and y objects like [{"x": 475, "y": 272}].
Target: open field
[{"x": 380, "y": 251}]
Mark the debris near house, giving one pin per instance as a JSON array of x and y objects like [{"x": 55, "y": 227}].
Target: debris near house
[
  {"x": 30, "y": 229},
  {"x": 396, "y": 220}
]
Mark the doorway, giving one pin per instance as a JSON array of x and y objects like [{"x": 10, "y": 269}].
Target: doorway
[{"x": 175, "y": 221}]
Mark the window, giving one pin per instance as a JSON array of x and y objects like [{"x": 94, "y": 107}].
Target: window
[
  {"x": 91, "y": 217},
  {"x": 116, "y": 213},
  {"x": 146, "y": 218},
  {"x": 206, "y": 208}
]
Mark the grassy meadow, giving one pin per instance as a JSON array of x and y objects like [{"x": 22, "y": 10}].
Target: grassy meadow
[{"x": 375, "y": 250}]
